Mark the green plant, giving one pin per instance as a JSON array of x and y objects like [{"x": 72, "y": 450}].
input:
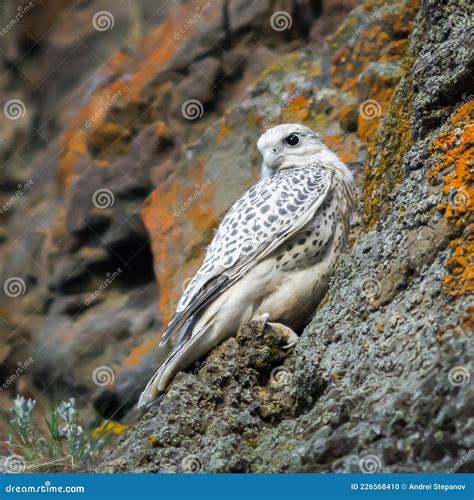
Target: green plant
[{"x": 62, "y": 440}]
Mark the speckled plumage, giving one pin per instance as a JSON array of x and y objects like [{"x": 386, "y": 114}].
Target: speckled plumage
[{"x": 272, "y": 254}]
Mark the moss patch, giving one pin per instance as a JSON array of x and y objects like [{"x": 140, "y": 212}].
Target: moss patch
[{"x": 383, "y": 168}]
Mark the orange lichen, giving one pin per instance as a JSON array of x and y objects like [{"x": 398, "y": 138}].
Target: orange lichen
[
  {"x": 466, "y": 322},
  {"x": 452, "y": 156},
  {"x": 348, "y": 63},
  {"x": 367, "y": 123},
  {"x": 92, "y": 124},
  {"x": 297, "y": 109},
  {"x": 157, "y": 50},
  {"x": 78, "y": 134},
  {"x": 341, "y": 144},
  {"x": 379, "y": 42},
  {"x": 168, "y": 228},
  {"x": 162, "y": 131},
  {"x": 384, "y": 39},
  {"x": 160, "y": 223},
  {"x": 135, "y": 356},
  {"x": 108, "y": 139},
  {"x": 453, "y": 151},
  {"x": 258, "y": 118},
  {"x": 153, "y": 440},
  {"x": 394, "y": 51},
  {"x": 74, "y": 148},
  {"x": 224, "y": 130},
  {"x": 303, "y": 115},
  {"x": 461, "y": 266},
  {"x": 402, "y": 20},
  {"x": 117, "y": 61},
  {"x": 339, "y": 59},
  {"x": 345, "y": 113}
]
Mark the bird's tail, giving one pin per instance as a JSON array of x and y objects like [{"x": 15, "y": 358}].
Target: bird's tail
[
  {"x": 151, "y": 391},
  {"x": 157, "y": 384},
  {"x": 179, "y": 359}
]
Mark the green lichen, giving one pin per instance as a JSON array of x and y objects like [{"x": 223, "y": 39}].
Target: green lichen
[{"x": 383, "y": 169}]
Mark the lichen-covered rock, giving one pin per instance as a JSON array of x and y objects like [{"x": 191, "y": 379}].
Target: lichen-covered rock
[
  {"x": 238, "y": 391},
  {"x": 379, "y": 379}
]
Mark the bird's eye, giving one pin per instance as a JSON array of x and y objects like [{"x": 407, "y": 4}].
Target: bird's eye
[{"x": 292, "y": 140}]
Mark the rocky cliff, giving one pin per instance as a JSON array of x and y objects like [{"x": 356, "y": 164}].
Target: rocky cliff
[{"x": 148, "y": 163}]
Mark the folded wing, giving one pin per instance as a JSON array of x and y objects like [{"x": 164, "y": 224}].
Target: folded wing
[{"x": 266, "y": 216}]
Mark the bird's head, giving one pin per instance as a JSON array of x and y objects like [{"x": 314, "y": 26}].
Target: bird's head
[{"x": 289, "y": 146}]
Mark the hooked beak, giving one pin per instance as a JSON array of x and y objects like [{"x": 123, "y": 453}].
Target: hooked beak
[{"x": 271, "y": 162}]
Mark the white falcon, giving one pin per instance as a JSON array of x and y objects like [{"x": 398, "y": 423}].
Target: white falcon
[{"x": 271, "y": 257}]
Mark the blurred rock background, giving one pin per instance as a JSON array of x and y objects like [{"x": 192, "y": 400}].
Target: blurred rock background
[{"x": 127, "y": 130}]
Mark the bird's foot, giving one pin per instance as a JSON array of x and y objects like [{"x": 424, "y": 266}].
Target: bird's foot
[
  {"x": 263, "y": 319},
  {"x": 286, "y": 331}
]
